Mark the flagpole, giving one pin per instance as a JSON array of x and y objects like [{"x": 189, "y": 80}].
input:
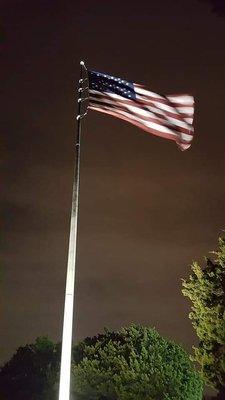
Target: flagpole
[{"x": 65, "y": 368}]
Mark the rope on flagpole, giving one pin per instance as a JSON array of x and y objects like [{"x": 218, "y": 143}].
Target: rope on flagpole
[{"x": 65, "y": 367}]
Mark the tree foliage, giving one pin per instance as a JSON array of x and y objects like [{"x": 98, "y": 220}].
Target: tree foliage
[
  {"x": 206, "y": 290},
  {"x": 32, "y": 372},
  {"x": 135, "y": 363}
]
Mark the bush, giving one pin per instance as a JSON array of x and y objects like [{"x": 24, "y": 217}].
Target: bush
[{"x": 135, "y": 363}]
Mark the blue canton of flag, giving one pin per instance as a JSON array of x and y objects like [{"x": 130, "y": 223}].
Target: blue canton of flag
[{"x": 107, "y": 83}]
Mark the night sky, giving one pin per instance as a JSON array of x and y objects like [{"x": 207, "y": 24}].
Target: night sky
[{"x": 146, "y": 209}]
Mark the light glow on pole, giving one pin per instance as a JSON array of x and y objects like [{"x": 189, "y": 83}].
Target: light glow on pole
[{"x": 65, "y": 367}]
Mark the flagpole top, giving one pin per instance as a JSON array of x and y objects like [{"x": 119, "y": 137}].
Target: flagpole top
[{"x": 81, "y": 62}]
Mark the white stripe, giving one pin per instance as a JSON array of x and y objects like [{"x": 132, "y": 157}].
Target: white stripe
[
  {"x": 110, "y": 95},
  {"x": 189, "y": 120},
  {"x": 186, "y": 137},
  {"x": 178, "y": 122},
  {"x": 182, "y": 99},
  {"x": 145, "y": 92},
  {"x": 185, "y": 146},
  {"x": 165, "y": 107},
  {"x": 186, "y": 110}
]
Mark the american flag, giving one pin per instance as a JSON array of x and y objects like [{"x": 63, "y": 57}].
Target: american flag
[{"x": 169, "y": 116}]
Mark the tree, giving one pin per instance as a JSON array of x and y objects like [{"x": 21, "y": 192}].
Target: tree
[
  {"x": 135, "y": 363},
  {"x": 206, "y": 290},
  {"x": 32, "y": 372}
]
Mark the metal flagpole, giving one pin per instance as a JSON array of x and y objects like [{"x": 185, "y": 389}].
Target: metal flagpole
[{"x": 65, "y": 368}]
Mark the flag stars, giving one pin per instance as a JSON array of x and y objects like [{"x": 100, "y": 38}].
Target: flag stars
[{"x": 108, "y": 83}]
